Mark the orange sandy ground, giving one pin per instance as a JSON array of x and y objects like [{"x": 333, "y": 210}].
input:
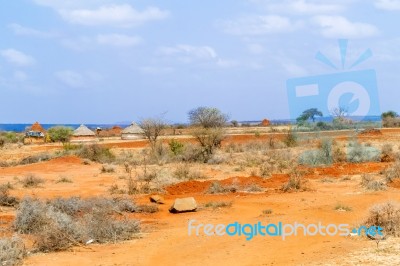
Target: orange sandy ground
[{"x": 165, "y": 239}]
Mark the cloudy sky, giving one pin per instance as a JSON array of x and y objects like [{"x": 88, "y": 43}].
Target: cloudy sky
[{"x": 105, "y": 61}]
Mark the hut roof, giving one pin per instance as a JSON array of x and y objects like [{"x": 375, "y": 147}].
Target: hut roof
[
  {"x": 36, "y": 127},
  {"x": 132, "y": 129},
  {"x": 82, "y": 130}
]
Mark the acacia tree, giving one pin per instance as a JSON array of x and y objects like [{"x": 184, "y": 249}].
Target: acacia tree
[
  {"x": 209, "y": 129},
  {"x": 152, "y": 129},
  {"x": 309, "y": 114}
]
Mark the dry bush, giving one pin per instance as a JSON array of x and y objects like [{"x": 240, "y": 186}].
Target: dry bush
[
  {"x": 147, "y": 208},
  {"x": 5, "y": 198},
  {"x": 36, "y": 158},
  {"x": 103, "y": 229},
  {"x": 106, "y": 168},
  {"x": 392, "y": 173},
  {"x": 342, "y": 207},
  {"x": 291, "y": 139},
  {"x": 63, "y": 179},
  {"x": 296, "y": 182},
  {"x": 253, "y": 188},
  {"x": 12, "y": 251},
  {"x": 114, "y": 189},
  {"x": 31, "y": 181},
  {"x": 387, "y": 154},
  {"x": 59, "y": 224},
  {"x": 368, "y": 182},
  {"x": 234, "y": 148},
  {"x": 218, "y": 204},
  {"x": 357, "y": 152},
  {"x": 185, "y": 172},
  {"x": 387, "y": 216},
  {"x": 217, "y": 188}
]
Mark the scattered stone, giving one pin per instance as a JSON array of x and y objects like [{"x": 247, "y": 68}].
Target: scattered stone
[
  {"x": 184, "y": 205},
  {"x": 157, "y": 199}
]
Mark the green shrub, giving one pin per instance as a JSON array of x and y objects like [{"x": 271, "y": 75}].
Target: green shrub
[
  {"x": 96, "y": 153},
  {"x": 60, "y": 134},
  {"x": 176, "y": 147}
]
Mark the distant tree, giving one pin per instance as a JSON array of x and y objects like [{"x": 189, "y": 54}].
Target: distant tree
[
  {"x": 152, "y": 129},
  {"x": 389, "y": 114},
  {"x": 209, "y": 129},
  {"x": 235, "y": 123},
  {"x": 339, "y": 112},
  {"x": 309, "y": 114},
  {"x": 207, "y": 117},
  {"x": 60, "y": 134}
]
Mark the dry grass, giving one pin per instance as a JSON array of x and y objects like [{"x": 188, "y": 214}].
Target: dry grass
[{"x": 31, "y": 181}]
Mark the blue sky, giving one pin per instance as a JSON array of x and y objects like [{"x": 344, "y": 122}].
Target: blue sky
[{"x": 105, "y": 61}]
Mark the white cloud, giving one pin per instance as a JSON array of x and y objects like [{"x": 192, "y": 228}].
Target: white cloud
[
  {"x": 71, "y": 78},
  {"x": 188, "y": 52},
  {"x": 118, "y": 40},
  {"x": 79, "y": 44},
  {"x": 260, "y": 25},
  {"x": 78, "y": 80},
  {"x": 224, "y": 63},
  {"x": 303, "y": 7},
  {"x": 20, "y": 76},
  {"x": 17, "y": 57},
  {"x": 255, "y": 48},
  {"x": 391, "y": 5},
  {"x": 341, "y": 27},
  {"x": 113, "y": 15},
  {"x": 154, "y": 70},
  {"x": 25, "y": 31}
]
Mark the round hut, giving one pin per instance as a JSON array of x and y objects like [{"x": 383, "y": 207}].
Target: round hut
[
  {"x": 83, "y": 133},
  {"x": 35, "y": 134},
  {"x": 132, "y": 132}
]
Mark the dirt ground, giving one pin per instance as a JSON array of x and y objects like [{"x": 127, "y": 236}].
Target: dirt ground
[{"x": 165, "y": 239}]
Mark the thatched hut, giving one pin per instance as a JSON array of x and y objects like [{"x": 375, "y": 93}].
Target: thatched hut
[
  {"x": 35, "y": 134},
  {"x": 132, "y": 132},
  {"x": 83, "y": 133},
  {"x": 265, "y": 123}
]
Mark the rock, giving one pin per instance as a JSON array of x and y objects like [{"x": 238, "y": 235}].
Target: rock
[
  {"x": 157, "y": 199},
  {"x": 184, "y": 205}
]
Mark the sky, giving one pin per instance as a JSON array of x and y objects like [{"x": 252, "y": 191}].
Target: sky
[{"x": 110, "y": 61}]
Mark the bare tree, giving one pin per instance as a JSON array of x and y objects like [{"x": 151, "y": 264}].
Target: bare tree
[
  {"x": 339, "y": 112},
  {"x": 209, "y": 129},
  {"x": 152, "y": 129},
  {"x": 207, "y": 117}
]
